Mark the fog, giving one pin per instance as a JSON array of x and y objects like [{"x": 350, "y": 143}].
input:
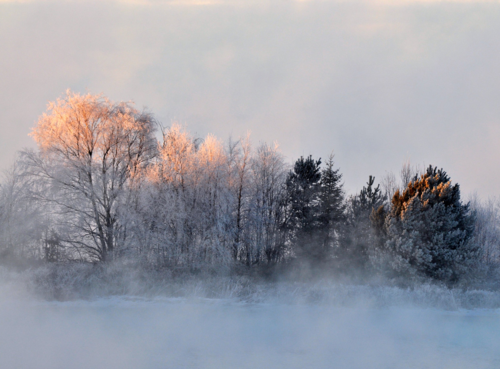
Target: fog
[
  {"x": 284, "y": 325},
  {"x": 178, "y": 333}
]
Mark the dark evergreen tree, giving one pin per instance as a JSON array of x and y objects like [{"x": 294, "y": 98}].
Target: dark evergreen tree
[
  {"x": 332, "y": 210},
  {"x": 304, "y": 207},
  {"x": 429, "y": 229},
  {"x": 363, "y": 227}
]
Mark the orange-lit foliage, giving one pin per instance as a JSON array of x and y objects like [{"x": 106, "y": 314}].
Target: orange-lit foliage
[
  {"x": 177, "y": 157},
  {"x": 211, "y": 155},
  {"x": 181, "y": 163},
  {"x": 429, "y": 229},
  {"x": 433, "y": 188},
  {"x": 91, "y": 129},
  {"x": 91, "y": 148}
]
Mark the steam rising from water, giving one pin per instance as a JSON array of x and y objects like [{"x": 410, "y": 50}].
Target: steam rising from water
[
  {"x": 349, "y": 331},
  {"x": 121, "y": 333}
]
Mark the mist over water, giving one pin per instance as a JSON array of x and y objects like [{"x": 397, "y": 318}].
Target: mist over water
[
  {"x": 121, "y": 333},
  {"x": 288, "y": 325}
]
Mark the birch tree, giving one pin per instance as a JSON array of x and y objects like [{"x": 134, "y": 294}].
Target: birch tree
[
  {"x": 23, "y": 222},
  {"x": 90, "y": 149},
  {"x": 265, "y": 237},
  {"x": 239, "y": 156}
]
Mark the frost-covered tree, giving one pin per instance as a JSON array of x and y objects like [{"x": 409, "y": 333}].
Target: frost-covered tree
[
  {"x": 215, "y": 201},
  {"x": 429, "y": 229},
  {"x": 360, "y": 235},
  {"x": 101, "y": 185},
  {"x": 390, "y": 184},
  {"x": 185, "y": 206},
  {"x": 239, "y": 155},
  {"x": 265, "y": 238},
  {"x": 487, "y": 232},
  {"x": 303, "y": 186},
  {"x": 90, "y": 150},
  {"x": 160, "y": 227},
  {"x": 24, "y": 222},
  {"x": 332, "y": 211}
]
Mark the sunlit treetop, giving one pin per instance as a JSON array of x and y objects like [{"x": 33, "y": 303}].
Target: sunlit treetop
[{"x": 91, "y": 128}]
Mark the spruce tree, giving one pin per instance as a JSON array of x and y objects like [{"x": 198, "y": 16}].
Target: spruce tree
[
  {"x": 429, "y": 229},
  {"x": 332, "y": 210},
  {"x": 304, "y": 205},
  {"x": 361, "y": 234}
]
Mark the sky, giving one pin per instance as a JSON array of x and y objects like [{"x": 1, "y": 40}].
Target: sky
[{"x": 375, "y": 82}]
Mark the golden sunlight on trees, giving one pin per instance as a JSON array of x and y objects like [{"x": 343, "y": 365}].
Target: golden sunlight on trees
[
  {"x": 101, "y": 186},
  {"x": 91, "y": 129},
  {"x": 90, "y": 148},
  {"x": 429, "y": 229},
  {"x": 177, "y": 157}
]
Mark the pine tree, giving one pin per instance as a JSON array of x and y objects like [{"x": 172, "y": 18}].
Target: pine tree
[
  {"x": 362, "y": 229},
  {"x": 303, "y": 196},
  {"x": 332, "y": 211},
  {"x": 429, "y": 229}
]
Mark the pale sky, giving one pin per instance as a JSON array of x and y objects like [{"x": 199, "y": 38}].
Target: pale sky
[{"x": 377, "y": 82}]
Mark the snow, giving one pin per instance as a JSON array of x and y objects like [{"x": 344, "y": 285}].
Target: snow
[{"x": 132, "y": 332}]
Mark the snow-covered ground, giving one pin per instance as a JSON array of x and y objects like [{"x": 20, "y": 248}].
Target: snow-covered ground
[{"x": 127, "y": 332}]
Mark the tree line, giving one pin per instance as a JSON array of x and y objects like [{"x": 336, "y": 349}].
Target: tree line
[{"x": 108, "y": 182}]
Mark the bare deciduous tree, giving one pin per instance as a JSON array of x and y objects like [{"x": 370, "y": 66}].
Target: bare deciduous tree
[
  {"x": 239, "y": 155},
  {"x": 89, "y": 150}
]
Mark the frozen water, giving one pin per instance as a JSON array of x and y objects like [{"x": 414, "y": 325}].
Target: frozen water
[{"x": 203, "y": 333}]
